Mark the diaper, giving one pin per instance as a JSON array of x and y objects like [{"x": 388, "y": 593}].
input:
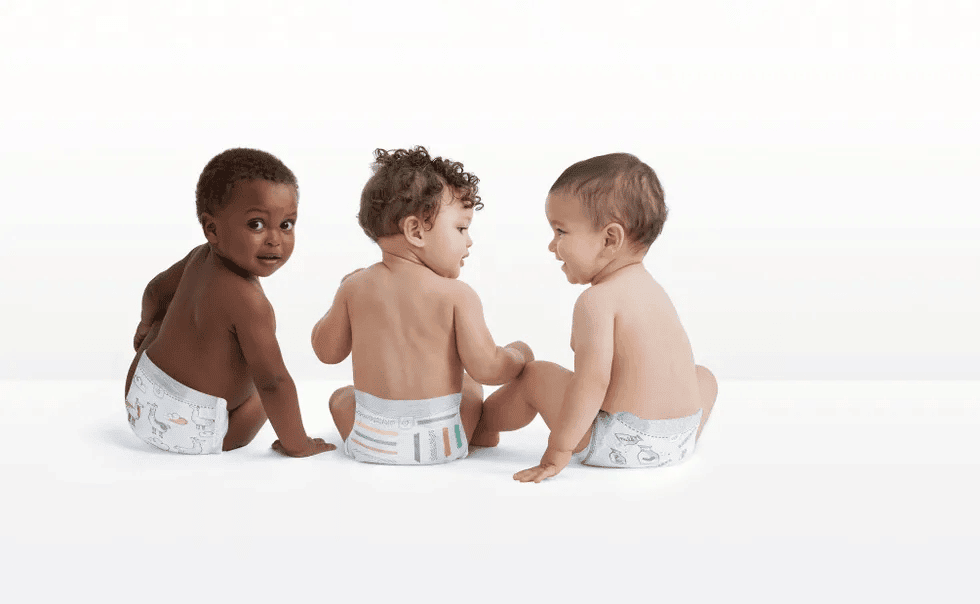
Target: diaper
[
  {"x": 168, "y": 415},
  {"x": 623, "y": 440},
  {"x": 417, "y": 432}
]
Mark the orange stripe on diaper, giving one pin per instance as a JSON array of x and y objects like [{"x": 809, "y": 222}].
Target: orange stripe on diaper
[
  {"x": 385, "y": 432},
  {"x": 359, "y": 443},
  {"x": 445, "y": 441}
]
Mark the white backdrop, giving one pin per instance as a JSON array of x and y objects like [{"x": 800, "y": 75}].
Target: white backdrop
[{"x": 819, "y": 162}]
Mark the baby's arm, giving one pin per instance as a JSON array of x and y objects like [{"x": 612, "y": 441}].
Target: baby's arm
[
  {"x": 486, "y": 362},
  {"x": 592, "y": 332},
  {"x": 255, "y": 326},
  {"x": 332, "y": 335},
  {"x": 157, "y": 296}
]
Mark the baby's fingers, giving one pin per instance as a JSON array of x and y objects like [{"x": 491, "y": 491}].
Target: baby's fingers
[
  {"x": 321, "y": 446},
  {"x": 536, "y": 474},
  {"x": 142, "y": 330},
  {"x": 314, "y": 446}
]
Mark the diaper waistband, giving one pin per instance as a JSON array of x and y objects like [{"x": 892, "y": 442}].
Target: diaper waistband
[
  {"x": 175, "y": 388},
  {"x": 659, "y": 427},
  {"x": 418, "y": 408}
]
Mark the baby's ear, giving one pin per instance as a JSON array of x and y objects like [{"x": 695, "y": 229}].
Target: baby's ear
[
  {"x": 615, "y": 237},
  {"x": 413, "y": 230},
  {"x": 210, "y": 227}
]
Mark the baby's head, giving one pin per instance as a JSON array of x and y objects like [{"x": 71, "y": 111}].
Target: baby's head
[
  {"x": 229, "y": 167},
  {"x": 618, "y": 188},
  {"x": 410, "y": 183},
  {"x": 610, "y": 202},
  {"x": 428, "y": 200},
  {"x": 247, "y": 203}
]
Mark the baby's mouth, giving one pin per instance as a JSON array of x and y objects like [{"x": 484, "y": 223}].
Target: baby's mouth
[{"x": 270, "y": 257}]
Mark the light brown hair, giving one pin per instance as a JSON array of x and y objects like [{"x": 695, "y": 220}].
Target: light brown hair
[{"x": 618, "y": 187}]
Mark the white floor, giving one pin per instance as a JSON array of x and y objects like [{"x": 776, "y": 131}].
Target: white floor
[{"x": 799, "y": 491}]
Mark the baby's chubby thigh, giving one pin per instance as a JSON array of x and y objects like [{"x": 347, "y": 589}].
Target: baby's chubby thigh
[
  {"x": 471, "y": 407},
  {"x": 342, "y": 406},
  {"x": 544, "y": 387},
  {"x": 244, "y": 422}
]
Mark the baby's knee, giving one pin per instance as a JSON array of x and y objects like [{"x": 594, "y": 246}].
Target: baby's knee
[
  {"x": 471, "y": 388},
  {"x": 707, "y": 383},
  {"x": 342, "y": 399},
  {"x": 543, "y": 371}
]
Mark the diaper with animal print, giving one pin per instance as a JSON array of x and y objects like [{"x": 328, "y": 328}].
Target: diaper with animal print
[
  {"x": 623, "y": 440},
  {"x": 168, "y": 415},
  {"x": 410, "y": 432}
]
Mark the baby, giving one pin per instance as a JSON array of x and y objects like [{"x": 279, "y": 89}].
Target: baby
[
  {"x": 410, "y": 325},
  {"x": 636, "y": 398},
  {"x": 208, "y": 370}
]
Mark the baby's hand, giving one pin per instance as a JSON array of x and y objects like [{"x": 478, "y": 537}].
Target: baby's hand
[
  {"x": 141, "y": 330},
  {"x": 552, "y": 462},
  {"x": 522, "y": 348},
  {"x": 314, "y": 446}
]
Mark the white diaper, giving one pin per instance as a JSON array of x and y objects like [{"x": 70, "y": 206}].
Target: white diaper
[
  {"x": 414, "y": 432},
  {"x": 623, "y": 440},
  {"x": 166, "y": 414}
]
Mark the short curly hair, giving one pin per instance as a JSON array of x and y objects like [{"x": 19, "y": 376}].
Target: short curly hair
[
  {"x": 409, "y": 183},
  {"x": 618, "y": 188},
  {"x": 228, "y": 167}
]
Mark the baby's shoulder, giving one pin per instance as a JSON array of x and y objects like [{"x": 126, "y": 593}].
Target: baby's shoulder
[
  {"x": 459, "y": 292},
  {"x": 598, "y": 297},
  {"x": 232, "y": 295},
  {"x": 381, "y": 282},
  {"x": 632, "y": 285}
]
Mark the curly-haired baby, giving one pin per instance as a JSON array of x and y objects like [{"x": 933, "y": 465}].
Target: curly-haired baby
[{"x": 411, "y": 326}]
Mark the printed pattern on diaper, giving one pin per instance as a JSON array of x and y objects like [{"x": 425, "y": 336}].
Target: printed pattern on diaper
[
  {"x": 406, "y": 440},
  {"x": 171, "y": 422},
  {"x": 624, "y": 441}
]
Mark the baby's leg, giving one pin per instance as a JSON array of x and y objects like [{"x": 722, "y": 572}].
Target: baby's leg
[
  {"x": 539, "y": 389},
  {"x": 342, "y": 410},
  {"x": 244, "y": 422},
  {"x": 709, "y": 392},
  {"x": 472, "y": 406},
  {"x": 150, "y": 336}
]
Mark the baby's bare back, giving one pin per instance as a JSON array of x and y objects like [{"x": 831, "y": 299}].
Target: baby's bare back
[
  {"x": 403, "y": 343},
  {"x": 197, "y": 345},
  {"x": 653, "y": 373}
]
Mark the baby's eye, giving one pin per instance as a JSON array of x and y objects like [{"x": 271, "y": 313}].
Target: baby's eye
[
  {"x": 287, "y": 225},
  {"x": 559, "y": 231},
  {"x": 256, "y": 224},
  {"x": 461, "y": 229}
]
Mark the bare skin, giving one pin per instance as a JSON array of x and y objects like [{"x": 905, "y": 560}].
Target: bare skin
[
  {"x": 207, "y": 323},
  {"x": 411, "y": 327},
  {"x": 631, "y": 352}
]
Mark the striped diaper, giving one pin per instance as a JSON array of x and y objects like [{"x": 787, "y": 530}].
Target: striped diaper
[{"x": 415, "y": 432}]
